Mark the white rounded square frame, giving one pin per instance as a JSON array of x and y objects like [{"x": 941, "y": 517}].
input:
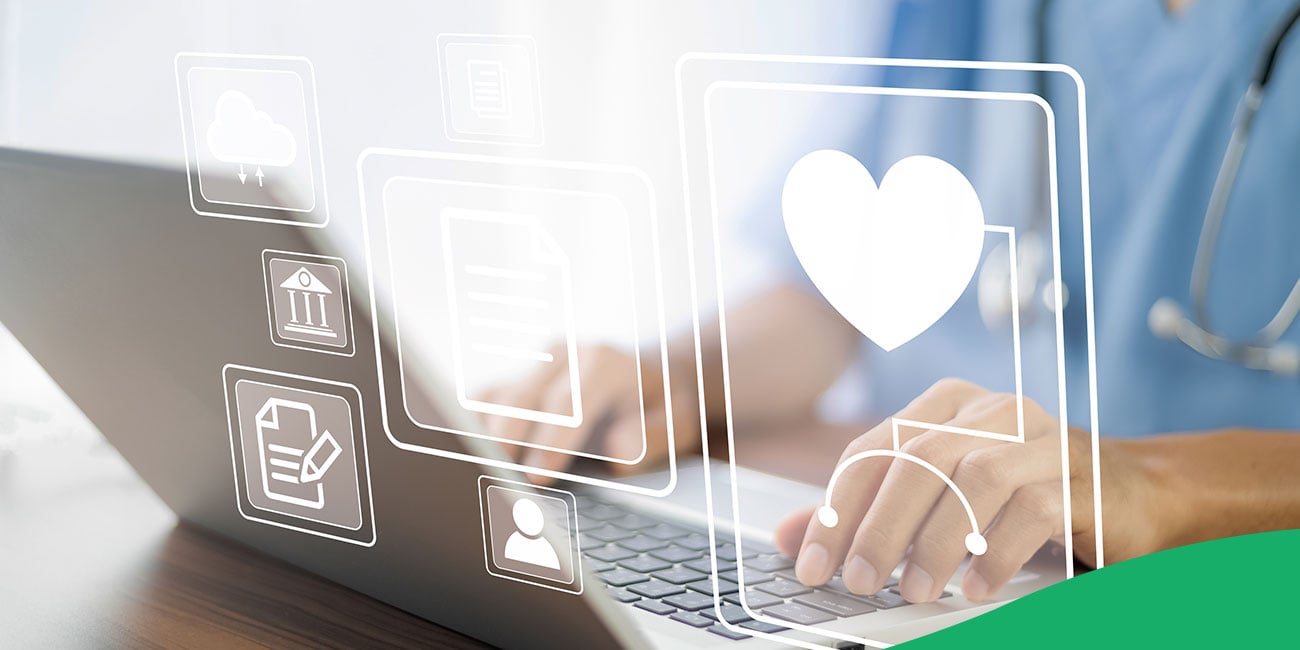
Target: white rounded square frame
[
  {"x": 363, "y": 534},
  {"x": 697, "y": 75},
  {"x": 266, "y": 73},
  {"x": 503, "y": 567},
  {"x": 406, "y": 412}
]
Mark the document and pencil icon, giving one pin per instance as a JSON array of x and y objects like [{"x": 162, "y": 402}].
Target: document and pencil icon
[
  {"x": 295, "y": 454},
  {"x": 510, "y": 288}
]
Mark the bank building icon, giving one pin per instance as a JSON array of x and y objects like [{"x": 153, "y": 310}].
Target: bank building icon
[
  {"x": 307, "y": 302},
  {"x": 302, "y": 284}
]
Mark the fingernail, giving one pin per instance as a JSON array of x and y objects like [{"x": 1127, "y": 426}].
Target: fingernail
[
  {"x": 916, "y": 584},
  {"x": 813, "y": 565},
  {"x": 860, "y": 577},
  {"x": 975, "y": 587}
]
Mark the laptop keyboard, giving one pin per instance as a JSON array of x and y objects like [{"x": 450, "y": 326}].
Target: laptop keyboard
[{"x": 664, "y": 568}]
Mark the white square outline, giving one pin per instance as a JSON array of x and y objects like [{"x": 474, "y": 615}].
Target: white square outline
[
  {"x": 368, "y": 507},
  {"x": 726, "y": 374},
  {"x": 575, "y": 577},
  {"x": 347, "y": 304},
  {"x": 379, "y": 362},
  {"x": 444, "y": 83},
  {"x": 397, "y": 327},
  {"x": 198, "y": 166},
  {"x": 1088, "y": 284},
  {"x": 249, "y": 486},
  {"x": 575, "y": 551},
  {"x": 187, "y": 133}
]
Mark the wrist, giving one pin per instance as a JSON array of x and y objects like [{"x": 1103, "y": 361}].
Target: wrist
[{"x": 1146, "y": 498}]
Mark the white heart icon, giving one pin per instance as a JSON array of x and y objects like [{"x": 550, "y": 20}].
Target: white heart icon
[{"x": 891, "y": 259}]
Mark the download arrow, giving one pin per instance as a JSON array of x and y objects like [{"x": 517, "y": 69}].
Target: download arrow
[
  {"x": 242, "y": 176},
  {"x": 259, "y": 175}
]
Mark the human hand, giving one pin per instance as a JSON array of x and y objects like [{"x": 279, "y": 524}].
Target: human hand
[
  {"x": 887, "y": 505},
  {"x": 611, "y": 424}
]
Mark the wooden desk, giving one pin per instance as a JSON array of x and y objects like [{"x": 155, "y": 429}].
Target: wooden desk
[{"x": 89, "y": 557}]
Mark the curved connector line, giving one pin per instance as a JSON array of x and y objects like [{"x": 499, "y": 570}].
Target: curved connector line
[{"x": 975, "y": 542}]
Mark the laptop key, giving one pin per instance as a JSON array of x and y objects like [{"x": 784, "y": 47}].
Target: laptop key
[
  {"x": 730, "y": 613},
  {"x": 621, "y": 577},
  {"x": 784, "y": 588},
  {"x": 656, "y": 589},
  {"x": 655, "y": 607},
  {"x": 694, "y": 541},
  {"x": 642, "y": 543},
  {"x": 885, "y": 600},
  {"x": 597, "y": 566},
  {"x": 763, "y": 626},
  {"x": 610, "y": 553},
  {"x": 837, "y": 604},
  {"x": 675, "y": 554},
  {"x": 728, "y": 552},
  {"x": 755, "y": 599},
  {"x": 644, "y": 564},
  {"x": 666, "y": 531},
  {"x": 751, "y": 577},
  {"x": 725, "y": 587},
  {"x": 705, "y": 565},
  {"x": 693, "y": 620},
  {"x": 690, "y": 601},
  {"x": 609, "y": 533},
  {"x": 895, "y": 589},
  {"x": 796, "y": 613},
  {"x": 679, "y": 575},
  {"x": 632, "y": 521},
  {"x": 769, "y": 563},
  {"x": 837, "y": 585},
  {"x": 623, "y": 595},
  {"x": 722, "y": 631}
]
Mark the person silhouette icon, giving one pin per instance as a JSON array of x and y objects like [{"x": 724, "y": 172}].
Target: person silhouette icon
[{"x": 526, "y": 544}]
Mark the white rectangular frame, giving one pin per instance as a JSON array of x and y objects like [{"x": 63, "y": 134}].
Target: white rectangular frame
[
  {"x": 529, "y": 43},
  {"x": 351, "y": 345},
  {"x": 187, "y": 133},
  {"x": 375, "y": 320},
  {"x": 358, "y": 437},
  {"x": 713, "y": 217},
  {"x": 575, "y": 551}
]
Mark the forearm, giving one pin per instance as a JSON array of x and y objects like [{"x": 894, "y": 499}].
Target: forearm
[{"x": 1211, "y": 485}]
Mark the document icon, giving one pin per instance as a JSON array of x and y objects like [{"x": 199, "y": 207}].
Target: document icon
[
  {"x": 489, "y": 89},
  {"x": 295, "y": 454},
  {"x": 510, "y": 287}
]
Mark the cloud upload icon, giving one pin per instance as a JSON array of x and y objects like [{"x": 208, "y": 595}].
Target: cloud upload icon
[{"x": 243, "y": 135}]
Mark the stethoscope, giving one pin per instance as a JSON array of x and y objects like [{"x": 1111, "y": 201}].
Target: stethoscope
[{"x": 1264, "y": 350}]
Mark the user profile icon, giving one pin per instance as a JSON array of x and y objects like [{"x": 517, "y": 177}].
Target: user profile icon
[
  {"x": 526, "y": 544},
  {"x": 530, "y": 534}
]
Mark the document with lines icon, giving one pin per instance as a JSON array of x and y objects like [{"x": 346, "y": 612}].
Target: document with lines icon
[
  {"x": 512, "y": 317},
  {"x": 294, "y": 454}
]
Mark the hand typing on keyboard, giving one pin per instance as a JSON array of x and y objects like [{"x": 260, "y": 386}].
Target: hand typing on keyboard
[
  {"x": 611, "y": 408},
  {"x": 887, "y": 504}
]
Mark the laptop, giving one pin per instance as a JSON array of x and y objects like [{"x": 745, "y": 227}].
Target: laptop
[{"x": 146, "y": 313}]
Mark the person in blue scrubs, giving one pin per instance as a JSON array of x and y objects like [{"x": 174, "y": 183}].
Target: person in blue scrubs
[
  {"x": 1194, "y": 448},
  {"x": 1160, "y": 108}
]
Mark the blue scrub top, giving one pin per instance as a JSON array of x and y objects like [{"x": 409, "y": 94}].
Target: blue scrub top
[{"x": 1161, "y": 93}]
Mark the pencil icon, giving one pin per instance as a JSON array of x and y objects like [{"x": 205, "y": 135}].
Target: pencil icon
[{"x": 319, "y": 458}]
